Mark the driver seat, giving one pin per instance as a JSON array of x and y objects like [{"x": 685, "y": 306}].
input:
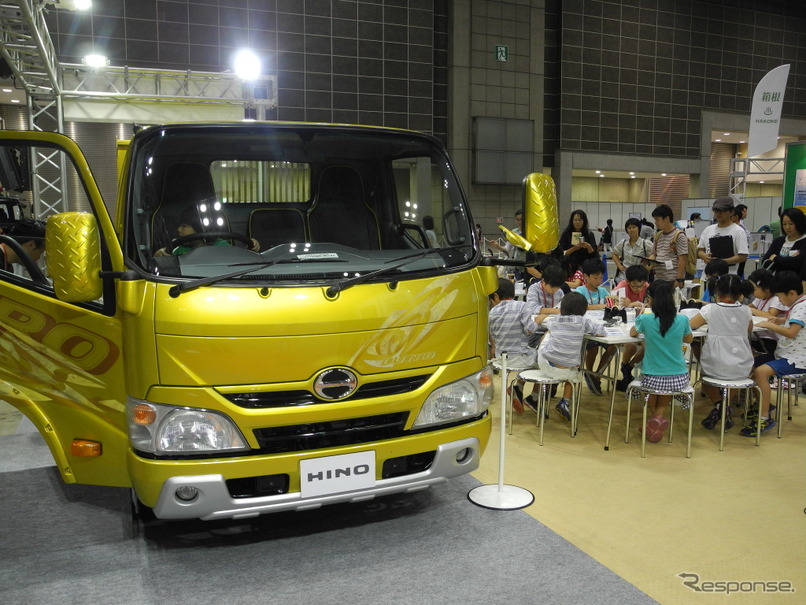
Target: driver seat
[{"x": 184, "y": 184}]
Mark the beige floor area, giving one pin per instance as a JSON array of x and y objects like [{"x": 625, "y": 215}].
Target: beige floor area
[{"x": 733, "y": 516}]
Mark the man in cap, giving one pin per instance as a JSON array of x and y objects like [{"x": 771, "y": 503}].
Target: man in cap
[{"x": 724, "y": 239}]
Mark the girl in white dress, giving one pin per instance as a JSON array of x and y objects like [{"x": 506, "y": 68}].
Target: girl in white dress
[{"x": 726, "y": 353}]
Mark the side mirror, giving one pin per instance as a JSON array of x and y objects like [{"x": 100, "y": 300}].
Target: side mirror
[
  {"x": 74, "y": 256},
  {"x": 540, "y": 222}
]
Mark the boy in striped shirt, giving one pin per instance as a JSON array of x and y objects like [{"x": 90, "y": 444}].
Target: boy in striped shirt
[{"x": 511, "y": 325}]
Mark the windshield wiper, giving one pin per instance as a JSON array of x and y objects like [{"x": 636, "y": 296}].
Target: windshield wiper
[
  {"x": 178, "y": 289},
  {"x": 360, "y": 279}
]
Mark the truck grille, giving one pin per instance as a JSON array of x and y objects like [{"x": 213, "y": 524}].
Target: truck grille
[
  {"x": 279, "y": 399},
  {"x": 318, "y": 435}
]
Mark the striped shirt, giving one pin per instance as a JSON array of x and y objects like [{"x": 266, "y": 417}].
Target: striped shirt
[
  {"x": 767, "y": 305},
  {"x": 794, "y": 349},
  {"x": 537, "y": 296},
  {"x": 511, "y": 323},
  {"x": 665, "y": 252},
  {"x": 563, "y": 344}
]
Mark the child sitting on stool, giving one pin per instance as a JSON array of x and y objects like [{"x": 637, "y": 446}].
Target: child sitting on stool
[
  {"x": 726, "y": 353},
  {"x": 511, "y": 325},
  {"x": 560, "y": 351},
  {"x": 635, "y": 286},
  {"x": 596, "y": 297},
  {"x": 790, "y": 355},
  {"x": 664, "y": 366},
  {"x": 545, "y": 296},
  {"x": 765, "y": 304}
]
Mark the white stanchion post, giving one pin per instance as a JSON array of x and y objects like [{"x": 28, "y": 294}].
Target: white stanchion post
[{"x": 500, "y": 496}]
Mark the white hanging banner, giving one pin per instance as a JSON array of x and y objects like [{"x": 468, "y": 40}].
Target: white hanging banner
[{"x": 765, "y": 116}]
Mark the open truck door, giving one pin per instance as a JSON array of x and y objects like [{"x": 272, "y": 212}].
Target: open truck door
[{"x": 60, "y": 339}]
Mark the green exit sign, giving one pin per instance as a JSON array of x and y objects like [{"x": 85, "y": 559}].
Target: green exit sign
[{"x": 501, "y": 52}]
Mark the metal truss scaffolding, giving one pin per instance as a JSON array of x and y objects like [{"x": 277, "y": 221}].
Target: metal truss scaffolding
[
  {"x": 27, "y": 48},
  {"x": 748, "y": 170}
]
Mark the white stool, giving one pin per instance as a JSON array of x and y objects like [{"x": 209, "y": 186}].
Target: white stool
[
  {"x": 793, "y": 382},
  {"x": 542, "y": 385},
  {"x": 636, "y": 387},
  {"x": 726, "y": 386}
]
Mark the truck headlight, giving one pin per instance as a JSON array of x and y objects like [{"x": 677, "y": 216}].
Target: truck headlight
[
  {"x": 167, "y": 429},
  {"x": 465, "y": 398}
]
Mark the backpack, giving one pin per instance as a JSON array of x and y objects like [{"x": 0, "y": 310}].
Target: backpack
[{"x": 691, "y": 255}]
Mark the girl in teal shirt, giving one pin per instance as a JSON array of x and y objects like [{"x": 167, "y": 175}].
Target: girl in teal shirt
[{"x": 664, "y": 367}]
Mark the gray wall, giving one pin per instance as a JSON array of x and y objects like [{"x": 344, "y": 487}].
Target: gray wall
[
  {"x": 627, "y": 82},
  {"x": 634, "y": 75},
  {"x": 380, "y": 63}
]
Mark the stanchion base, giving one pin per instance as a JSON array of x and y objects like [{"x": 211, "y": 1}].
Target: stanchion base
[{"x": 507, "y": 497}]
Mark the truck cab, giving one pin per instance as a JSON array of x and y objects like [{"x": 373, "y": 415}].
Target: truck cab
[{"x": 260, "y": 321}]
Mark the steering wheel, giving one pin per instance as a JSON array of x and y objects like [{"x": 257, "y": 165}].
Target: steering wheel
[{"x": 212, "y": 236}]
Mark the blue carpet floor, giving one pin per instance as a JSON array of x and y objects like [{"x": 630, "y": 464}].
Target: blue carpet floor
[{"x": 71, "y": 544}]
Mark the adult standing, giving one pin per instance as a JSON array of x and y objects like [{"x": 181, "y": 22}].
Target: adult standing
[
  {"x": 628, "y": 252},
  {"x": 671, "y": 247},
  {"x": 729, "y": 236},
  {"x": 775, "y": 226},
  {"x": 577, "y": 242},
  {"x": 738, "y": 218},
  {"x": 647, "y": 228},
  {"x": 787, "y": 253},
  {"x": 606, "y": 241},
  {"x": 514, "y": 252},
  {"x": 741, "y": 209}
]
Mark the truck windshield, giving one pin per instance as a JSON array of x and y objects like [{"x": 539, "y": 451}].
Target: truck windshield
[{"x": 293, "y": 203}]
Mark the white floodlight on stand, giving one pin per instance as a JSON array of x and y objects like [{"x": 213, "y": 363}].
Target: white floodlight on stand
[{"x": 246, "y": 65}]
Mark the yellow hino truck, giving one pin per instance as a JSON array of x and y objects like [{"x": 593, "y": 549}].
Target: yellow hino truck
[{"x": 273, "y": 316}]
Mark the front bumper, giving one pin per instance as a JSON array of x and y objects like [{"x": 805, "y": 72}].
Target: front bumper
[{"x": 214, "y": 500}]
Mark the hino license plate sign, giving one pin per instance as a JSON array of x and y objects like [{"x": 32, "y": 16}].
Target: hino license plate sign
[{"x": 336, "y": 474}]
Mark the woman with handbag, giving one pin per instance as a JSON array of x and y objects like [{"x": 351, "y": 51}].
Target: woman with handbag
[{"x": 787, "y": 252}]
